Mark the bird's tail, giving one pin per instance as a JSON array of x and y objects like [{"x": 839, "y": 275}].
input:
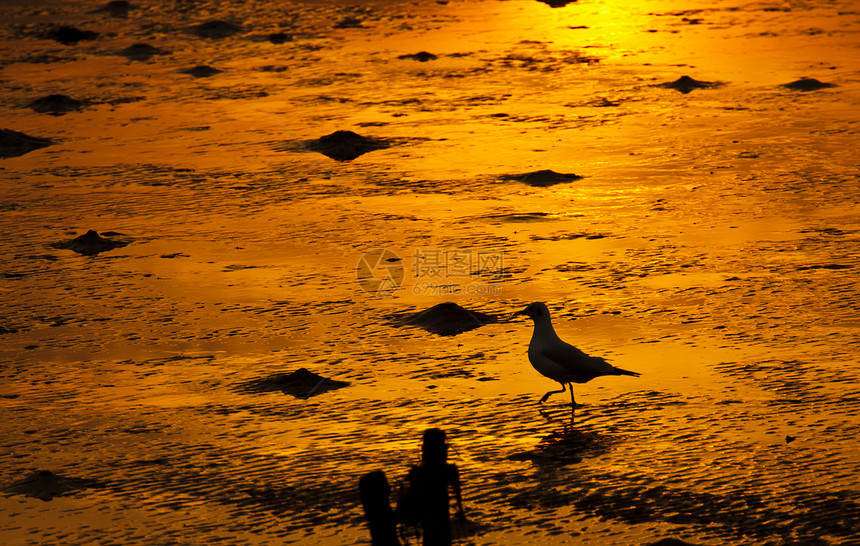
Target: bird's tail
[{"x": 619, "y": 371}]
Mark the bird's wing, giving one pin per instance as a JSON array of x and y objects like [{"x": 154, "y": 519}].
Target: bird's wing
[{"x": 576, "y": 361}]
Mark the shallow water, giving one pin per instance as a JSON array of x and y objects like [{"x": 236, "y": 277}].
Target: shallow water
[{"x": 712, "y": 245}]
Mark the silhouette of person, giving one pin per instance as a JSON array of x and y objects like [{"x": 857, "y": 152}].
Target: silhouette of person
[
  {"x": 374, "y": 492},
  {"x": 427, "y": 501}
]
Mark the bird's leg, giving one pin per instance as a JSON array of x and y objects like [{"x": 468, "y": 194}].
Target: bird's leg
[
  {"x": 572, "y": 401},
  {"x": 542, "y": 400}
]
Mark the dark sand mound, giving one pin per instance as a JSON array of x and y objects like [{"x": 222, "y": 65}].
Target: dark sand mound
[
  {"x": 671, "y": 542},
  {"x": 56, "y": 105},
  {"x": 279, "y": 37},
  {"x": 602, "y": 102},
  {"x": 90, "y": 244},
  {"x": 569, "y": 236},
  {"x": 140, "y": 52},
  {"x": 444, "y": 319},
  {"x": 301, "y": 383},
  {"x": 345, "y": 145},
  {"x": 71, "y": 35},
  {"x": 543, "y": 178},
  {"x": 348, "y": 22},
  {"x": 46, "y": 485},
  {"x": 557, "y": 3},
  {"x": 421, "y": 56},
  {"x": 216, "y": 29},
  {"x": 823, "y": 266},
  {"x": 807, "y": 84},
  {"x": 116, "y": 8},
  {"x": 685, "y": 84},
  {"x": 13, "y": 143},
  {"x": 519, "y": 217},
  {"x": 201, "y": 71}
]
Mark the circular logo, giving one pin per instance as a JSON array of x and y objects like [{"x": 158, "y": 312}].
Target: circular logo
[{"x": 379, "y": 272}]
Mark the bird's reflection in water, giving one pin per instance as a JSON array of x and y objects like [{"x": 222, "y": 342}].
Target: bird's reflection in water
[{"x": 568, "y": 444}]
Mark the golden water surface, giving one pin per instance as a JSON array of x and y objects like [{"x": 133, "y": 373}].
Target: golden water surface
[{"x": 711, "y": 245}]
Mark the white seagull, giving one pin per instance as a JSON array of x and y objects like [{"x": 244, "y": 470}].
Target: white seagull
[{"x": 561, "y": 361}]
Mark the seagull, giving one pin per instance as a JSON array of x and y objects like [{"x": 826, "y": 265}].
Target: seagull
[{"x": 561, "y": 361}]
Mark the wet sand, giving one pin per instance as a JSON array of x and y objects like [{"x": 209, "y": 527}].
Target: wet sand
[{"x": 709, "y": 240}]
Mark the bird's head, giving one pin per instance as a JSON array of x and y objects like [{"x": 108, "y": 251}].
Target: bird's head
[{"x": 534, "y": 311}]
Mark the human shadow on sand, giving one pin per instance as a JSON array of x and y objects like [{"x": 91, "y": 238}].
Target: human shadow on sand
[{"x": 423, "y": 500}]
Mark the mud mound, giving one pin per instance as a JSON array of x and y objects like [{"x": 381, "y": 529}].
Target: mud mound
[
  {"x": 685, "y": 84},
  {"x": 301, "y": 383},
  {"x": 71, "y": 35},
  {"x": 46, "y": 485},
  {"x": 421, "y": 56},
  {"x": 345, "y": 145},
  {"x": 90, "y": 244},
  {"x": 543, "y": 178},
  {"x": 56, "y": 105},
  {"x": 116, "y": 8},
  {"x": 519, "y": 217},
  {"x": 444, "y": 319},
  {"x": 140, "y": 52},
  {"x": 348, "y": 22},
  {"x": 13, "y": 143},
  {"x": 807, "y": 84},
  {"x": 201, "y": 71},
  {"x": 279, "y": 37},
  {"x": 216, "y": 29}
]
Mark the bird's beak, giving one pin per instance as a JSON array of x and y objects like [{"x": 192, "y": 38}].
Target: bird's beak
[{"x": 518, "y": 313}]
